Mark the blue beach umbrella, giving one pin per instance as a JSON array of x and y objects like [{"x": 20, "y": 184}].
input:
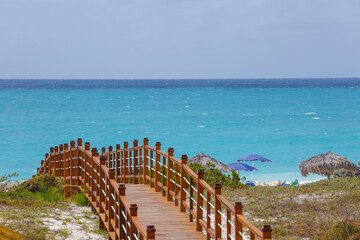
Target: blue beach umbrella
[
  {"x": 241, "y": 166},
  {"x": 253, "y": 158}
]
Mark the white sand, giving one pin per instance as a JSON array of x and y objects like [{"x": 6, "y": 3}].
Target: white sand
[{"x": 79, "y": 222}]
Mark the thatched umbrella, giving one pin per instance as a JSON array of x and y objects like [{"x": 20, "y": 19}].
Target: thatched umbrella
[
  {"x": 327, "y": 164},
  {"x": 204, "y": 160}
]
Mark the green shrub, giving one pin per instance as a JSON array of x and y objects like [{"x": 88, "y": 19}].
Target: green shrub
[
  {"x": 80, "y": 199},
  {"x": 43, "y": 188},
  {"x": 214, "y": 175},
  {"x": 341, "y": 231}
]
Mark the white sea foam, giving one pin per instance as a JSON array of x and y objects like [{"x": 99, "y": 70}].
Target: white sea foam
[
  {"x": 315, "y": 118},
  {"x": 204, "y": 113},
  {"x": 310, "y": 113},
  {"x": 92, "y": 122},
  {"x": 201, "y": 126},
  {"x": 187, "y": 106},
  {"x": 128, "y": 106},
  {"x": 119, "y": 131}
]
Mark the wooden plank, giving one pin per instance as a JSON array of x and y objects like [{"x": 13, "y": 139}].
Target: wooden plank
[{"x": 154, "y": 209}]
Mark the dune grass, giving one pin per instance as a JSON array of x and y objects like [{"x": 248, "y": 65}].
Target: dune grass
[
  {"x": 27, "y": 207},
  {"x": 303, "y": 212},
  {"x": 80, "y": 199}
]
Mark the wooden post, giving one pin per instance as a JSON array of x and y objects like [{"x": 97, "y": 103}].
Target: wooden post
[
  {"x": 191, "y": 192},
  {"x": 164, "y": 182},
  {"x": 78, "y": 161},
  {"x": 217, "y": 188},
  {"x": 42, "y": 168},
  {"x": 97, "y": 185},
  {"x": 101, "y": 194},
  {"x": 183, "y": 183},
  {"x": 133, "y": 213},
  {"x": 131, "y": 167},
  {"x": 102, "y": 183},
  {"x": 61, "y": 160},
  {"x": 267, "y": 232},
  {"x": 208, "y": 210},
  {"x": 79, "y": 142},
  {"x": 136, "y": 162},
  {"x": 93, "y": 177},
  {"x": 66, "y": 157},
  {"x": 126, "y": 161},
  {"x": 157, "y": 166},
  {"x": 57, "y": 162},
  {"x": 146, "y": 161},
  {"x": 238, "y": 225},
  {"x": 110, "y": 157},
  {"x": 141, "y": 162},
  {"x": 103, "y": 150},
  {"x": 83, "y": 164},
  {"x": 111, "y": 202},
  {"x": 122, "y": 211},
  {"x": 52, "y": 163},
  {"x": 170, "y": 174},
  {"x": 228, "y": 226},
  {"x": 117, "y": 173},
  {"x": 89, "y": 177},
  {"x": 199, "y": 199},
  {"x": 74, "y": 160},
  {"x": 150, "y": 232},
  {"x": 151, "y": 174}
]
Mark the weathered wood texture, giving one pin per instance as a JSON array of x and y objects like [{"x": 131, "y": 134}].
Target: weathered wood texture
[
  {"x": 153, "y": 208},
  {"x": 162, "y": 191}
]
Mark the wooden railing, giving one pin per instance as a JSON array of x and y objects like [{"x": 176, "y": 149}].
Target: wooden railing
[{"x": 103, "y": 179}]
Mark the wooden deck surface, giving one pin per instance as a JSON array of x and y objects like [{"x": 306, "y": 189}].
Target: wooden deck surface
[{"x": 154, "y": 209}]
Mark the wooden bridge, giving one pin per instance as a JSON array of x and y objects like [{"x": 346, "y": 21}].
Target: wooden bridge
[{"x": 131, "y": 188}]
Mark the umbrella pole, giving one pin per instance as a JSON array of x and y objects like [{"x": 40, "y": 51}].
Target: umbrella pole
[{"x": 252, "y": 171}]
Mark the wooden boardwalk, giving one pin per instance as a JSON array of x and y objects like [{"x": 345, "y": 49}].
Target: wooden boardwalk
[
  {"x": 144, "y": 193},
  {"x": 155, "y": 209}
]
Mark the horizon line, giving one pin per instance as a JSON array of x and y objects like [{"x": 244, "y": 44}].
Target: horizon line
[{"x": 177, "y": 79}]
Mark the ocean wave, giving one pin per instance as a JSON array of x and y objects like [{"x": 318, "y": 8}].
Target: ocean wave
[
  {"x": 310, "y": 113},
  {"x": 315, "y": 118}
]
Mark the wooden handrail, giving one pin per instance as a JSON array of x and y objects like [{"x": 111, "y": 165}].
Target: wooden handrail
[
  {"x": 99, "y": 184},
  {"x": 104, "y": 174}
]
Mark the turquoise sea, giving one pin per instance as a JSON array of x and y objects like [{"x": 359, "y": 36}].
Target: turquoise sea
[{"x": 285, "y": 120}]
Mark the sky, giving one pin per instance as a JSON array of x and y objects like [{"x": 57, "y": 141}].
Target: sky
[{"x": 178, "y": 39}]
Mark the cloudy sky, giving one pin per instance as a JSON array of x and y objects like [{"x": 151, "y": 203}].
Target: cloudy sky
[{"x": 126, "y": 39}]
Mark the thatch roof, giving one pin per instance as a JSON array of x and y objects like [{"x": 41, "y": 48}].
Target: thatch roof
[
  {"x": 203, "y": 160},
  {"x": 326, "y": 164}
]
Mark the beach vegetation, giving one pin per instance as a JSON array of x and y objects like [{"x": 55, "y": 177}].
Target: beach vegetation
[
  {"x": 80, "y": 199},
  {"x": 214, "y": 175},
  {"x": 308, "y": 211},
  {"x": 42, "y": 188},
  {"x": 29, "y": 207},
  {"x": 341, "y": 231}
]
